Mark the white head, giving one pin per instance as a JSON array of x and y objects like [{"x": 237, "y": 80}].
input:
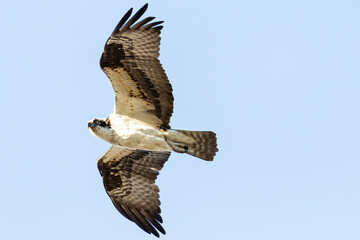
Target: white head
[{"x": 101, "y": 128}]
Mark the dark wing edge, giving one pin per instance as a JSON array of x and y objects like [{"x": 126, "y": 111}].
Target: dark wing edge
[
  {"x": 134, "y": 48},
  {"x": 129, "y": 180},
  {"x": 120, "y": 27}
]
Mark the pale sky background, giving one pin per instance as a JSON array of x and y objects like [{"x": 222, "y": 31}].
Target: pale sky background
[{"x": 278, "y": 81}]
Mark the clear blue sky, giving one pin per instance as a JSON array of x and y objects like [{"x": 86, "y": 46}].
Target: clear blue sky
[{"x": 278, "y": 81}]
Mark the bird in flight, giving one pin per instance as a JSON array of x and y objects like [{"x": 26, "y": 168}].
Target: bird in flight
[{"x": 138, "y": 127}]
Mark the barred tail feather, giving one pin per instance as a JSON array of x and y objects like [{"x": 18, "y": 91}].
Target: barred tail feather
[{"x": 202, "y": 144}]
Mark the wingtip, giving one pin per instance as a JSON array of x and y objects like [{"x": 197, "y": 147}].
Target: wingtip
[
  {"x": 145, "y": 6},
  {"x": 134, "y": 18},
  {"x": 122, "y": 21}
]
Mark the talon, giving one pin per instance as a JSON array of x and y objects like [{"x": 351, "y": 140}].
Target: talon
[{"x": 178, "y": 147}]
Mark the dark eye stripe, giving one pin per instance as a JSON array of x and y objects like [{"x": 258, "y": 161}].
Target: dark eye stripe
[{"x": 102, "y": 123}]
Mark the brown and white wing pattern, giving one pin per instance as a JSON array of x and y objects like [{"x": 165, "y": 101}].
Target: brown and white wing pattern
[
  {"x": 129, "y": 180},
  {"x": 130, "y": 60}
]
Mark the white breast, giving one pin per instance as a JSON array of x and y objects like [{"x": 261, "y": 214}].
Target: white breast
[{"x": 135, "y": 134}]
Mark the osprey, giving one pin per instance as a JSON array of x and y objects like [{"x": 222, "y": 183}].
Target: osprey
[{"x": 138, "y": 128}]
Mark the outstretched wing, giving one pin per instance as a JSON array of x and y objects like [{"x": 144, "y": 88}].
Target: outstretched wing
[
  {"x": 129, "y": 179},
  {"x": 130, "y": 60}
]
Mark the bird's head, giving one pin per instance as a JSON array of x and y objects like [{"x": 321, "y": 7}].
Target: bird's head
[
  {"x": 101, "y": 128},
  {"x": 99, "y": 123}
]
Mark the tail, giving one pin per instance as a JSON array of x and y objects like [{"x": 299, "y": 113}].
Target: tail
[{"x": 201, "y": 144}]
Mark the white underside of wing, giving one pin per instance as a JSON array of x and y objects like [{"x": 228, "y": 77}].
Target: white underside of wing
[
  {"x": 114, "y": 153},
  {"x": 135, "y": 127},
  {"x": 129, "y": 99}
]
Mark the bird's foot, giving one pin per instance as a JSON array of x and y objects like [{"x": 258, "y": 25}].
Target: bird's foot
[{"x": 178, "y": 147}]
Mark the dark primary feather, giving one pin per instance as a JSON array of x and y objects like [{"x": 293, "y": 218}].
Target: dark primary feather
[
  {"x": 122, "y": 21},
  {"x": 143, "y": 22},
  {"x": 136, "y": 17},
  {"x": 130, "y": 60},
  {"x": 129, "y": 179}
]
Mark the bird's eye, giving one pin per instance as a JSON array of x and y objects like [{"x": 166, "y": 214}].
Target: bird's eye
[{"x": 96, "y": 121}]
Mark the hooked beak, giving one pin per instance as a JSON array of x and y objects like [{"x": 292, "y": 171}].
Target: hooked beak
[{"x": 91, "y": 125}]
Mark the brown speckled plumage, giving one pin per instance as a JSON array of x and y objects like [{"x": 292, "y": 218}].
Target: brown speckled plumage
[
  {"x": 135, "y": 50},
  {"x": 129, "y": 179},
  {"x": 140, "y": 120}
]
